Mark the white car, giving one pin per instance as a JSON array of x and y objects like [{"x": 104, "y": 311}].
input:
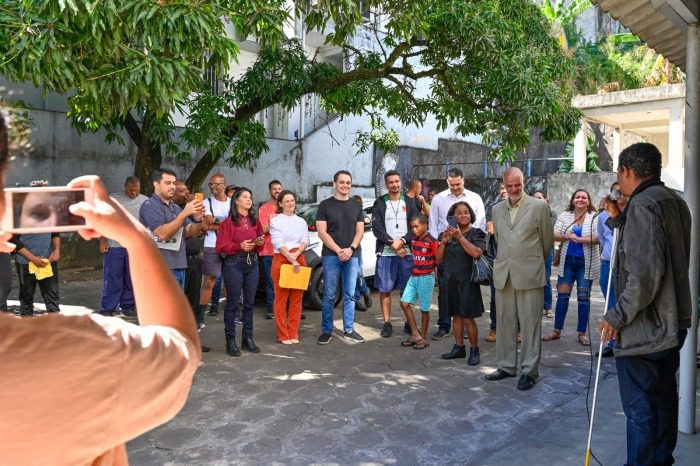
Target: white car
[{"x": 314, "y": 295}]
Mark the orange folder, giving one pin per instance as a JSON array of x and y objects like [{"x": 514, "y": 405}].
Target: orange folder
[{"x": 295, "y": 281}]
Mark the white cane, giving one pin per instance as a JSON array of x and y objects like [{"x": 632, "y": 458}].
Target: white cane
[{"x": 600, "y": 349}]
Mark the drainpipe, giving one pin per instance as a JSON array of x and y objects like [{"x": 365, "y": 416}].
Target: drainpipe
[{"x": 686, "y": 406}]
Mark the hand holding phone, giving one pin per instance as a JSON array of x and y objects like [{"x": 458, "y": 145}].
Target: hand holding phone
[
  {"x": 44, "y": 209},
  {"x": 452, "y": 221}
]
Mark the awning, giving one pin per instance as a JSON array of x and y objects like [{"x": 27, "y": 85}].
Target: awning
[{"x": 662, "y": 24}]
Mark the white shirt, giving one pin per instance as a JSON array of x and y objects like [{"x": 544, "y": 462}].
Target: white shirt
[
  {"x": 441, "y": 205},
  {"x": 220, "y": 212},
  {"x": 132, "y": 205},
  {"x": 288, "y": 231}
]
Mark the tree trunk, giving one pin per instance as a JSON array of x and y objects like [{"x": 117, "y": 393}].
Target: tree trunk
[
  {"x": 201, "y": 169},
  {"x": 148, "y": 158}
]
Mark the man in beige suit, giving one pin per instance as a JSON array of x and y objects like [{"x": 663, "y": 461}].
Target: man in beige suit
[{"x": 523, "y": 229}]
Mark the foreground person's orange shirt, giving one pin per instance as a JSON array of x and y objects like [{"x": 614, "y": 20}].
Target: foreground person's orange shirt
[{"x": 73, "y": 389}]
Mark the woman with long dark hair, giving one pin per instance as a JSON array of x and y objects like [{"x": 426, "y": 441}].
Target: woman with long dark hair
[
  {"x": 239, "y": 239},
  {"x": 577, "y": 230}
]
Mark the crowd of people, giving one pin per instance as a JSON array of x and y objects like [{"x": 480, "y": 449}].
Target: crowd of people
[{"x": 420, "y": 242}]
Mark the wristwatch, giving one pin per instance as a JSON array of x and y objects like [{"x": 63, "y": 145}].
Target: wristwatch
[{"x": 353, "y": 248}]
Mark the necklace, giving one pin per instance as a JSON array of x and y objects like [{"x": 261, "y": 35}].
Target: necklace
[{"x": 395, "y": 210}]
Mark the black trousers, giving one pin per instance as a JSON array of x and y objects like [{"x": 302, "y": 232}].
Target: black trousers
[
  {"x": 27, "y": 287},
  {"x": 5, "y": 279},
  {"x": 193, "y": 283}
]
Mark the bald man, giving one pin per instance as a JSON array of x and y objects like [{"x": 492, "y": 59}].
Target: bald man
[{"x": 524, "y": 232}]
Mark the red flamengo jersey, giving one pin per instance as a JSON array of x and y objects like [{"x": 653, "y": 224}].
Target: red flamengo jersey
[{"x": 424, "y": 252}]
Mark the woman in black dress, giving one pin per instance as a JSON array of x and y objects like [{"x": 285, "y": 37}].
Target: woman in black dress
[{"x": 460, "y": 244}]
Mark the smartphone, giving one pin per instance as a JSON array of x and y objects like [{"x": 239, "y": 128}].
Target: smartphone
[
  {"x": 452, "y": 221},
  {"x": 199, "y": 197},
  {"x": 43, "y": 209}
]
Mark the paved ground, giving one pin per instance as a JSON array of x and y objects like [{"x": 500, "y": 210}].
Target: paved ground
[{"x": 379, "y": 403}]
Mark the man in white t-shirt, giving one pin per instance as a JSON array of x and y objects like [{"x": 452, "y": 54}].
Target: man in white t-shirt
[
  {"x": 117, "y": 292},
  {"x": 216, "y": 208}
]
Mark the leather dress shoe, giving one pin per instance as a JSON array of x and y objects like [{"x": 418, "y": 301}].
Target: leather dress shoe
[
  {"x": 526, "y": 382},
  {"x": 249, "y": 345},
  {"x": 456, "y": 353},
  {"x": 232, "y": 347},
  {"x": 498, "y": 374}
]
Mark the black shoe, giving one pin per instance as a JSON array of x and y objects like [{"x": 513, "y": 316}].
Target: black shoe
[
  {"x": 353, "y": 337},
  {"x": 303, "y": 316},
  {"x": 205, "y": 349},
  {"x": 269, "y": 315},
  {"x": 387, "y": 330},
  {"x": 213, "y": 309},
  {"x": 368, "y": 300},
  {"x": 526, "y": 382},
  {"x": 249, "y": 345},
  {"x": 474, "y": 357},
  {"x": 440, "y": 334},
  {"x": 407, "y": 328},
  {"x": 458, "y": 352},
  {"x": 232, "y": 347},
  {"x": 325, "y": 338},
  {"x": 498, "y": 374},
  {"x": 608, "y": 352}
]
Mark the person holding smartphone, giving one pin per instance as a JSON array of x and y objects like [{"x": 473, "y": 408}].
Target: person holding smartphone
[
  {"x": 239, "y": 240},
  {"x": 100, "y": 380}
]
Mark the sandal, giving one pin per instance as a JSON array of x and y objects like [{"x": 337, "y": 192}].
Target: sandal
[
  {"x": 548, "y": 314},
  {"x": 583, "y": 339},
  {"x": 422, "y": 344},
  {"x": 408, "y": 343},
  {"x": 555, "y": 335}
]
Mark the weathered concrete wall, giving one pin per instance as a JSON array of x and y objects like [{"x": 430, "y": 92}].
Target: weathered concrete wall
[{"x": 561, "y": 186}]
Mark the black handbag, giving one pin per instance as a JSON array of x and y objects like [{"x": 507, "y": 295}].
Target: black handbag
[{"x": 482, "y": 269}]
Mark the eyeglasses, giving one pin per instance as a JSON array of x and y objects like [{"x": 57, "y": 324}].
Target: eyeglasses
[{"x": 216, "y": 184}]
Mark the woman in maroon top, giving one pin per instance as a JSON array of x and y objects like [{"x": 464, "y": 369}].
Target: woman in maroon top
[{"x": 239, "y": 239}]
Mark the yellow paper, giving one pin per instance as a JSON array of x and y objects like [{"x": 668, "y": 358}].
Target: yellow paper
[
  {"x": 41, "y": 272},
  {"x": 295, "y": 281}
]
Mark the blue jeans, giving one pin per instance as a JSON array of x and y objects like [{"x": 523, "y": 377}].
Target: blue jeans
[
  {"x": 116, "y": 284},
  {"x": 240, "y": 277},
  {"x": 334, "y": 270},
  {"x": 604, "y": 272},
  {"x": 216, "y": 292},
  {"x": 574, "y": 271},
  {"x": 548, "y": 283},
  {"x": 270, "y": 292},
  {"x": 650, "y": 401},
  {"x": 361, "y": 289},
  {"x": 179, "y": 275}
]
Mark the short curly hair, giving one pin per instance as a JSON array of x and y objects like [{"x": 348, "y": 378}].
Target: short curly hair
[{"x": 643, "y": 159}]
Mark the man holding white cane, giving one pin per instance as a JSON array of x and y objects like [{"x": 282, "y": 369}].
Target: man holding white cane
[{"x": 652, "y": 305}]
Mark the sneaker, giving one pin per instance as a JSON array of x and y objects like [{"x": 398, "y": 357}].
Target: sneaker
[
  {"x": 387, "y": 330},
  {"x": 325, "y": 338},
  {"x": 200, "y": 326},
  {"x": 440, "y": 334},
  {"x": 269, "y": 315},
  {"x": 354, "y": 337}
]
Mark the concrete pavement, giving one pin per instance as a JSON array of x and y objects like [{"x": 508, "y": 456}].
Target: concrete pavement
[{"x": 379, "y": 403}]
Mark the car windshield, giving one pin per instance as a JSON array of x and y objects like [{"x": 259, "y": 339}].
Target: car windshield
[{"x": 308, "y": 213}]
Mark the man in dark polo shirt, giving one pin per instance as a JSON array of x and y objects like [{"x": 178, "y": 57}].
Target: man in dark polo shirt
[
  {"x": 340, "y": 225},
  {"x": 169, "y": 223}
]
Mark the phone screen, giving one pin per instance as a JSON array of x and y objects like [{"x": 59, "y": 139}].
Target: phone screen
[{"x": 42, "y": 210}]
